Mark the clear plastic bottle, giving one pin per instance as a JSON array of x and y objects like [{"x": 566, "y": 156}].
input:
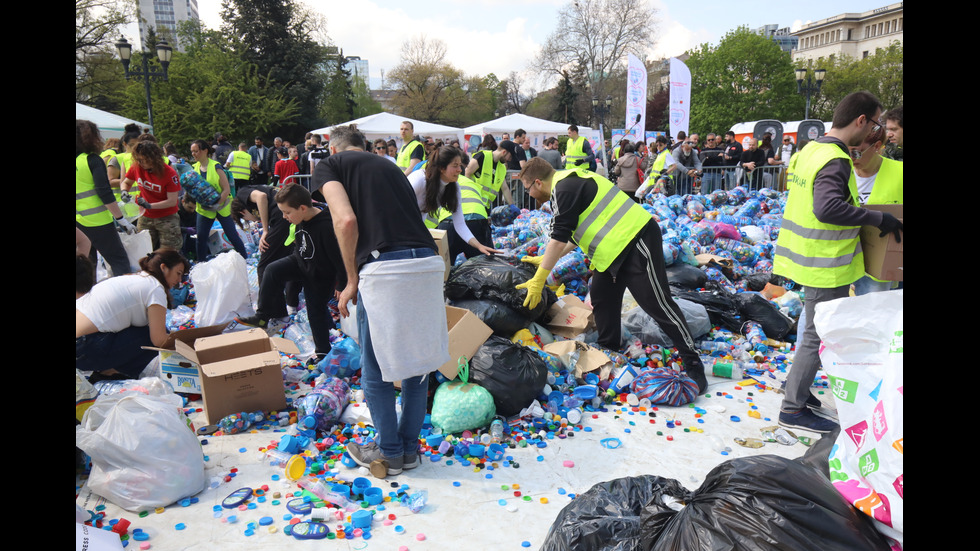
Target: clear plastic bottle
[{"x": 497, "y": 430}]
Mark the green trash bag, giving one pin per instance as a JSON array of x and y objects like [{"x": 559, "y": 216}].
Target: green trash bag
[{"x": 459, "y": 405}]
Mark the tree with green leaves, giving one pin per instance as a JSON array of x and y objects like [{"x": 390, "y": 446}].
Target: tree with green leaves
[
  {"x": 338, "y": 92},
  {"x": 276, "y": 37},
  {"x": 882, "y": 74},
  {"x": 209, "y": 89},
  {"x": 745, "y": 77},
  {"x": 565, "y": 98},
  {"x": 98, "y": 74}
]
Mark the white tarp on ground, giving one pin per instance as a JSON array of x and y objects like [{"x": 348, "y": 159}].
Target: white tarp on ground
[
  {"x": 110, "y": 125},
  {"x": 386, "y": 125}
]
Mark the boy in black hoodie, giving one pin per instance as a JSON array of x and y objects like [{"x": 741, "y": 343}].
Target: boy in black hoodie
[{"x": 315, "y": 262}]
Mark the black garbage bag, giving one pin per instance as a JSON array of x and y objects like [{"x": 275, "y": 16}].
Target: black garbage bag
[
  {"x": 755, "y": 307},
  {"x": 757, "y": 281},
  {"x": 762, "y": 503},
  {"x": 494, "y": 278},
  {"x": 608, "y": 517},
  {"x": 722, "y": 310},
  {"x": 513, "y": 374},
  {"x": 759, "y": 503},
  {"x": 686, "y": 276},
  {"x": 504, "y": 320}
]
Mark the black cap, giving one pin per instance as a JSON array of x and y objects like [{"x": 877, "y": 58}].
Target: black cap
[{"x": 507, "y": 145}]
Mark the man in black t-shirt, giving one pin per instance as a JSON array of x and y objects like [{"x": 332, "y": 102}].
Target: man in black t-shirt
[{"x": 395, "y": 277}]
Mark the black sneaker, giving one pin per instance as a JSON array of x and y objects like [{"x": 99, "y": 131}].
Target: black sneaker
[
  {"x": 694, "y": 368},
  {"x": 806, "y": 420},
  {"x": 253, "y": 321},
  {"x": 818, "y": 408}
]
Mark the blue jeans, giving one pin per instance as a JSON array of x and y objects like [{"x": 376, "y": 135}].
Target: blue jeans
[
  {"x": 711, "y": 181},
  {"x": 120, "y": 351},
  {"x": 204, "y": 230},
  {"x": 395, "y": 437}
]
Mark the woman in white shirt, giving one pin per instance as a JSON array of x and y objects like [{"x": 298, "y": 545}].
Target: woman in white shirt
[
  {"x": 438, "y": 188},
  {"x": 124, "y": 313}
]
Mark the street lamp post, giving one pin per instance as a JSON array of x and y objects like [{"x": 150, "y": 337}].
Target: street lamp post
[
  {"x": 164, "y": 53},
  {"x": 801, "y": 75},
  {"x": 601, "y": 110}
]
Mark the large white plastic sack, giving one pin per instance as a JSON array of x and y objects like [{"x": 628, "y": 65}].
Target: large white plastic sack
[
  {"x": 144, "y": 452},
  {"x": 222, "y": 289},
  {"x": 862, "y": 353}
]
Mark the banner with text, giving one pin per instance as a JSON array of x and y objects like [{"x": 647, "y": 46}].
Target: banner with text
[
  {"x": 636, "y": 98},
  {"x": 680, "y": 97}
]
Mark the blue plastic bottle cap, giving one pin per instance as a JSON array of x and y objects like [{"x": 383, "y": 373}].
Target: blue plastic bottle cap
[
  {"x": 735, "y": 418},
  {"x": 265, "y": 521}
]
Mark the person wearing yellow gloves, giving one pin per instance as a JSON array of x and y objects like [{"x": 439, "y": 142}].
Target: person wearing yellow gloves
[{"x": 624, "y": 244}]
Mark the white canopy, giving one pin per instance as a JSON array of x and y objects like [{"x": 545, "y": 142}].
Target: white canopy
[
  {"x": 386, "y": 125},
  {"x": 110, "y": 125},
  {"x": 531, "y": 125},
  {"x": 537, "y": 129}
]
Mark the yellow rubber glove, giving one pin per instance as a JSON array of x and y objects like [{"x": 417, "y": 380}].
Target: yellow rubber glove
[
  {"x": 536, "y": 260},
  {"x": 534, "y": 286}
]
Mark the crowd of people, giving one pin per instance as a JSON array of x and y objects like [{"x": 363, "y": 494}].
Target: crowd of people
[{"x": 352, "y": 233}]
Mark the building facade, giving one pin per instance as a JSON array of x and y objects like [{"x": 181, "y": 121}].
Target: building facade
[
  {"x": 163, "y": 16},
  {"x": 856, "y": 35}
]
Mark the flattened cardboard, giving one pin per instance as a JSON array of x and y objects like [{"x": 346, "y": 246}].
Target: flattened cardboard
[
  {"x": 590, "y": 358},
  {"x": 883, "y": 257},
  {"x": 240, "y": 371},
  {"x": 570, "y": 317},
  {"x": 441, "y": 238}
]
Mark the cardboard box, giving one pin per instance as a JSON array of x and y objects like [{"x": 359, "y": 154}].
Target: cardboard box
[
  {"x": 442, "y": 240},
  {"x": 883, "y": 257},
  {"x": 570, "y": 317},
  {"x": 179, "y": 371},
  {"x": 240, "y": 371}
]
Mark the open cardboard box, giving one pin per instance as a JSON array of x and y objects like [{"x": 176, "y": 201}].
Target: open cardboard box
[
  {"x": 179, "y": 371},
  {"x": 240, "y": 371},
  {"x": 883, "y": 257}
]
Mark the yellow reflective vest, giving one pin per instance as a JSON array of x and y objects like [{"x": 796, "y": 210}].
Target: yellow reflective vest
[
  {"x": 574, "y": 150},
  {"x": 215, "y": 181},
  {"x": 90, "y": 211},
  {"x": 241, "y": 165},
  {"x": 405, "y": 154},
  {"x": 610, "y": 222},
  {"x": 808, "y": 251}
]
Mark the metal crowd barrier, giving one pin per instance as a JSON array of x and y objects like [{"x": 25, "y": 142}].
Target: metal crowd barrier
[{"x": 728, "y": 177}]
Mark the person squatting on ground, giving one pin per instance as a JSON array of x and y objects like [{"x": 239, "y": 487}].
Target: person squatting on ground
[{"x": 120, "y": 315}]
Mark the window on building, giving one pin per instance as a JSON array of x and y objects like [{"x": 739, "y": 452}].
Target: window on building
[{"x": 864, "y": 55}]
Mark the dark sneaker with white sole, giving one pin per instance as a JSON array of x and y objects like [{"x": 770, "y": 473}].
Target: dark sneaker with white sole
[
  {"x": 806, "y": 420},
  {"x": 366, "y": 454}
]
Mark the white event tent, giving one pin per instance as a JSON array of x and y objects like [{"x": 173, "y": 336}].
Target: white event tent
[
  {"x": 386, "y": 125},
  {"x": 537, "y": 129},
  {"x": 110, "y": 125}
]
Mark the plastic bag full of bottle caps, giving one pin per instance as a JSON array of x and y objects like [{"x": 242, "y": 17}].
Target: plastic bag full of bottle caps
[
  {"x": 324, "y": 404},
  {"x": 572, "y": 266}
]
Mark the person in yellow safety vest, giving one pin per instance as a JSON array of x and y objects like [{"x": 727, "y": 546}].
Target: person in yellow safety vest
[
  {"x": 96, "y": 211},
  {"x": 240, "y": 164},
  {"x": 624, "y": 244},
  {"x": 578, "y": 151},
  {"x": 443, "y": 193},
  {"x": 880, "y": 181},
  {"x": 489, "y": 171},
  {"x": 214, "y": 174},
  {"x": 118, "y": 165},
  {"x": 664, "y": 163},
  {"x": 111, "y": 149},
  {"x": 819, "y": 245},
  {"x": 412, "y": 152}
]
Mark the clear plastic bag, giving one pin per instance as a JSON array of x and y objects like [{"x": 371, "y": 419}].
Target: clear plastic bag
[{"x": 143, "y": 449}]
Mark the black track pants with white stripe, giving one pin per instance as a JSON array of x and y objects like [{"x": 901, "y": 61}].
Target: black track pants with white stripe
[{"x": 643, "y": 272}]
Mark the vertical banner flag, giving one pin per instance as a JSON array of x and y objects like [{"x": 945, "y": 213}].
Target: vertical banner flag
[
  {"x": 636, "y": 98},
  {"x": 680, "y": 97}
]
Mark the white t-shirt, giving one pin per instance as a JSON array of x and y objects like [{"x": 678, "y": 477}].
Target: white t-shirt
[
  {"x": 417, "y": 179},
  {"x": 121, "y": 302},
  {"x": 865, "y": 185}
]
